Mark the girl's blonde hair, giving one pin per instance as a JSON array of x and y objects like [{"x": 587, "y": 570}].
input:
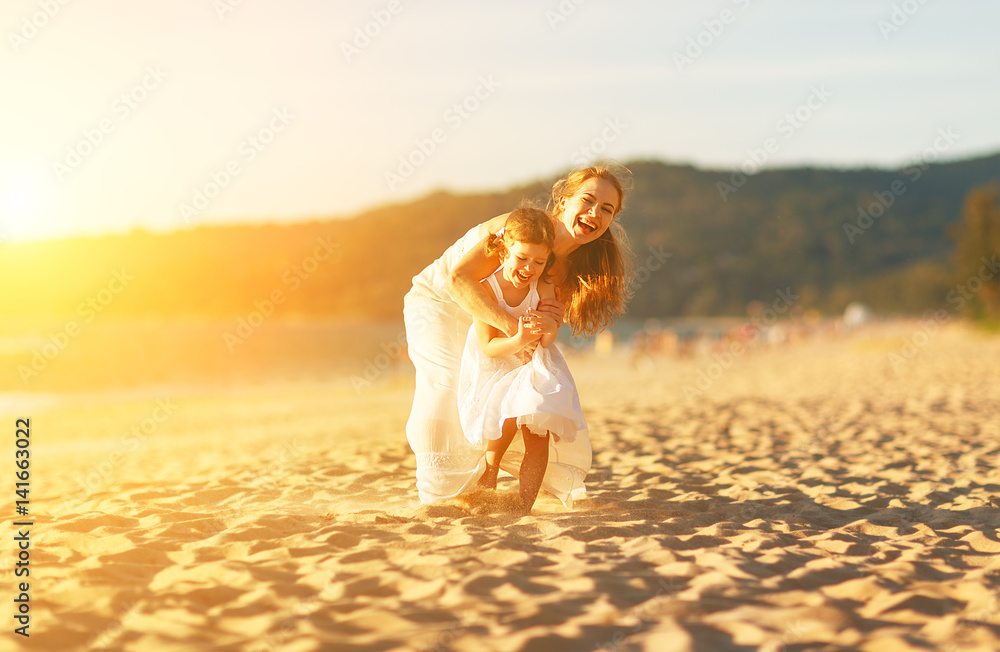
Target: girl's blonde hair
[
  {"x": 525, "y": 224},
  {"x": 600, "y": 272}
]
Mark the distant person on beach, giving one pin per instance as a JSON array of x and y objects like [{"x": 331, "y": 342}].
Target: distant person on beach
[
  {"x": 521, "y": 385},
  {"x": 591, "y": 276}
]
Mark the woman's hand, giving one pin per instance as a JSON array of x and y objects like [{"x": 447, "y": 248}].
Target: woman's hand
[
  {"x": 541, "y": 324},
  {"x": 553, "y": 308}
]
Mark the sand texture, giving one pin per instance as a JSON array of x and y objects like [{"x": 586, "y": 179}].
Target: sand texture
[{"x": 812, "y": 497}]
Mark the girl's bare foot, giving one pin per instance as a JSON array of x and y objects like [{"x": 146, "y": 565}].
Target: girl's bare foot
[{"x": 489, "y": 478}]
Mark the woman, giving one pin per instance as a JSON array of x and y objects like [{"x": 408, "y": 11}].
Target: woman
[{"x": 591, "y": 273}]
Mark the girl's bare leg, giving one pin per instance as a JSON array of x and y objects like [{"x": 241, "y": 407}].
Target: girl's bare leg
[
  {"x": 536, "y": 459},
  {"x": 494, "y": 452}
]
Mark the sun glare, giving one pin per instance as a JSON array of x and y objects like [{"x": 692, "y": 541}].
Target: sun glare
[{"x": 27, "y": 196}]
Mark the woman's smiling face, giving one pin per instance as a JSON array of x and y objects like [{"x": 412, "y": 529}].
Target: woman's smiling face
[
  {"x": 587, "y": 214},
  {"x": 524, "y": 263}
]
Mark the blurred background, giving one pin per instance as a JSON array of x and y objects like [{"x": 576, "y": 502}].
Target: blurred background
[{"x": 239, "y": 191}]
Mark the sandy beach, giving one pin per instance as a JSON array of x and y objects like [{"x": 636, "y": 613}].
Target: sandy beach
[{"x": 819, "y": 496}]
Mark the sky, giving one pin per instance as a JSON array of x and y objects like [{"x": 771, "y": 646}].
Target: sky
[{"x": 170, "y": 115}]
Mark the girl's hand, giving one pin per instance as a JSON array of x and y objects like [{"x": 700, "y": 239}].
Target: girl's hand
[
  {"x": 525, "y": 354},
  {"x": 524, "y": 333}
]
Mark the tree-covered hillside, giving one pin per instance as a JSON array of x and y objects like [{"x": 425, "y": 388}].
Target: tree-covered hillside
[{"x": 788, "y": 228}]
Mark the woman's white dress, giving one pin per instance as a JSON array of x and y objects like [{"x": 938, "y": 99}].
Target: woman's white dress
[
  {"x": 540, "y": 394},
  {"x": 436, "y": 332}
]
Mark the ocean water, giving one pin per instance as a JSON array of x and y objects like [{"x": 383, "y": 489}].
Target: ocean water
[{"x": 41, "y": 357}]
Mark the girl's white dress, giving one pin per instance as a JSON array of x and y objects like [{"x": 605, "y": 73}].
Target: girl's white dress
[{"x": 540, "y": 394}]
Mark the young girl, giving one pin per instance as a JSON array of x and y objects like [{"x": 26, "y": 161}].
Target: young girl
[{"x": 521, "y": 385}]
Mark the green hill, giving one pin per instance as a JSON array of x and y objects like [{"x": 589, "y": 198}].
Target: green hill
[{"x": 781, "y": 228}]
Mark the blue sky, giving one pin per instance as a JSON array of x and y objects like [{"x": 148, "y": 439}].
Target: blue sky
[{"x": 256, "y": 110}]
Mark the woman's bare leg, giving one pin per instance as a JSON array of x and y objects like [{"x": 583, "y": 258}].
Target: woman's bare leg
[
  {"x": 536, "y": 459},
  {"x": 494, "y": 452}
]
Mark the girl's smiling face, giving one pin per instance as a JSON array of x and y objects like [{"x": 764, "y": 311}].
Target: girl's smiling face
[
  {"x": 588, "y": 213},
  {"x": 524, "y": 263}
]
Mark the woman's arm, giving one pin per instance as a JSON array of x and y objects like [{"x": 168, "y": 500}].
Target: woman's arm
[
  {"x": 542, "y": 323},
  {"x": 553, "y": 305},
  {"x": 471, "y": 296}
]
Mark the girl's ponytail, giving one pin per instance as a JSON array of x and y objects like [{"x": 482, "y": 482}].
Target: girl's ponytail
[{"x": 495, "y": 244}]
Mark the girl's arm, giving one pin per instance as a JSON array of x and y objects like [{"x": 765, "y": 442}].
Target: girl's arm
[
  {"x": 494, "y": 343},
  {"x": 466, "y": 289}
]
